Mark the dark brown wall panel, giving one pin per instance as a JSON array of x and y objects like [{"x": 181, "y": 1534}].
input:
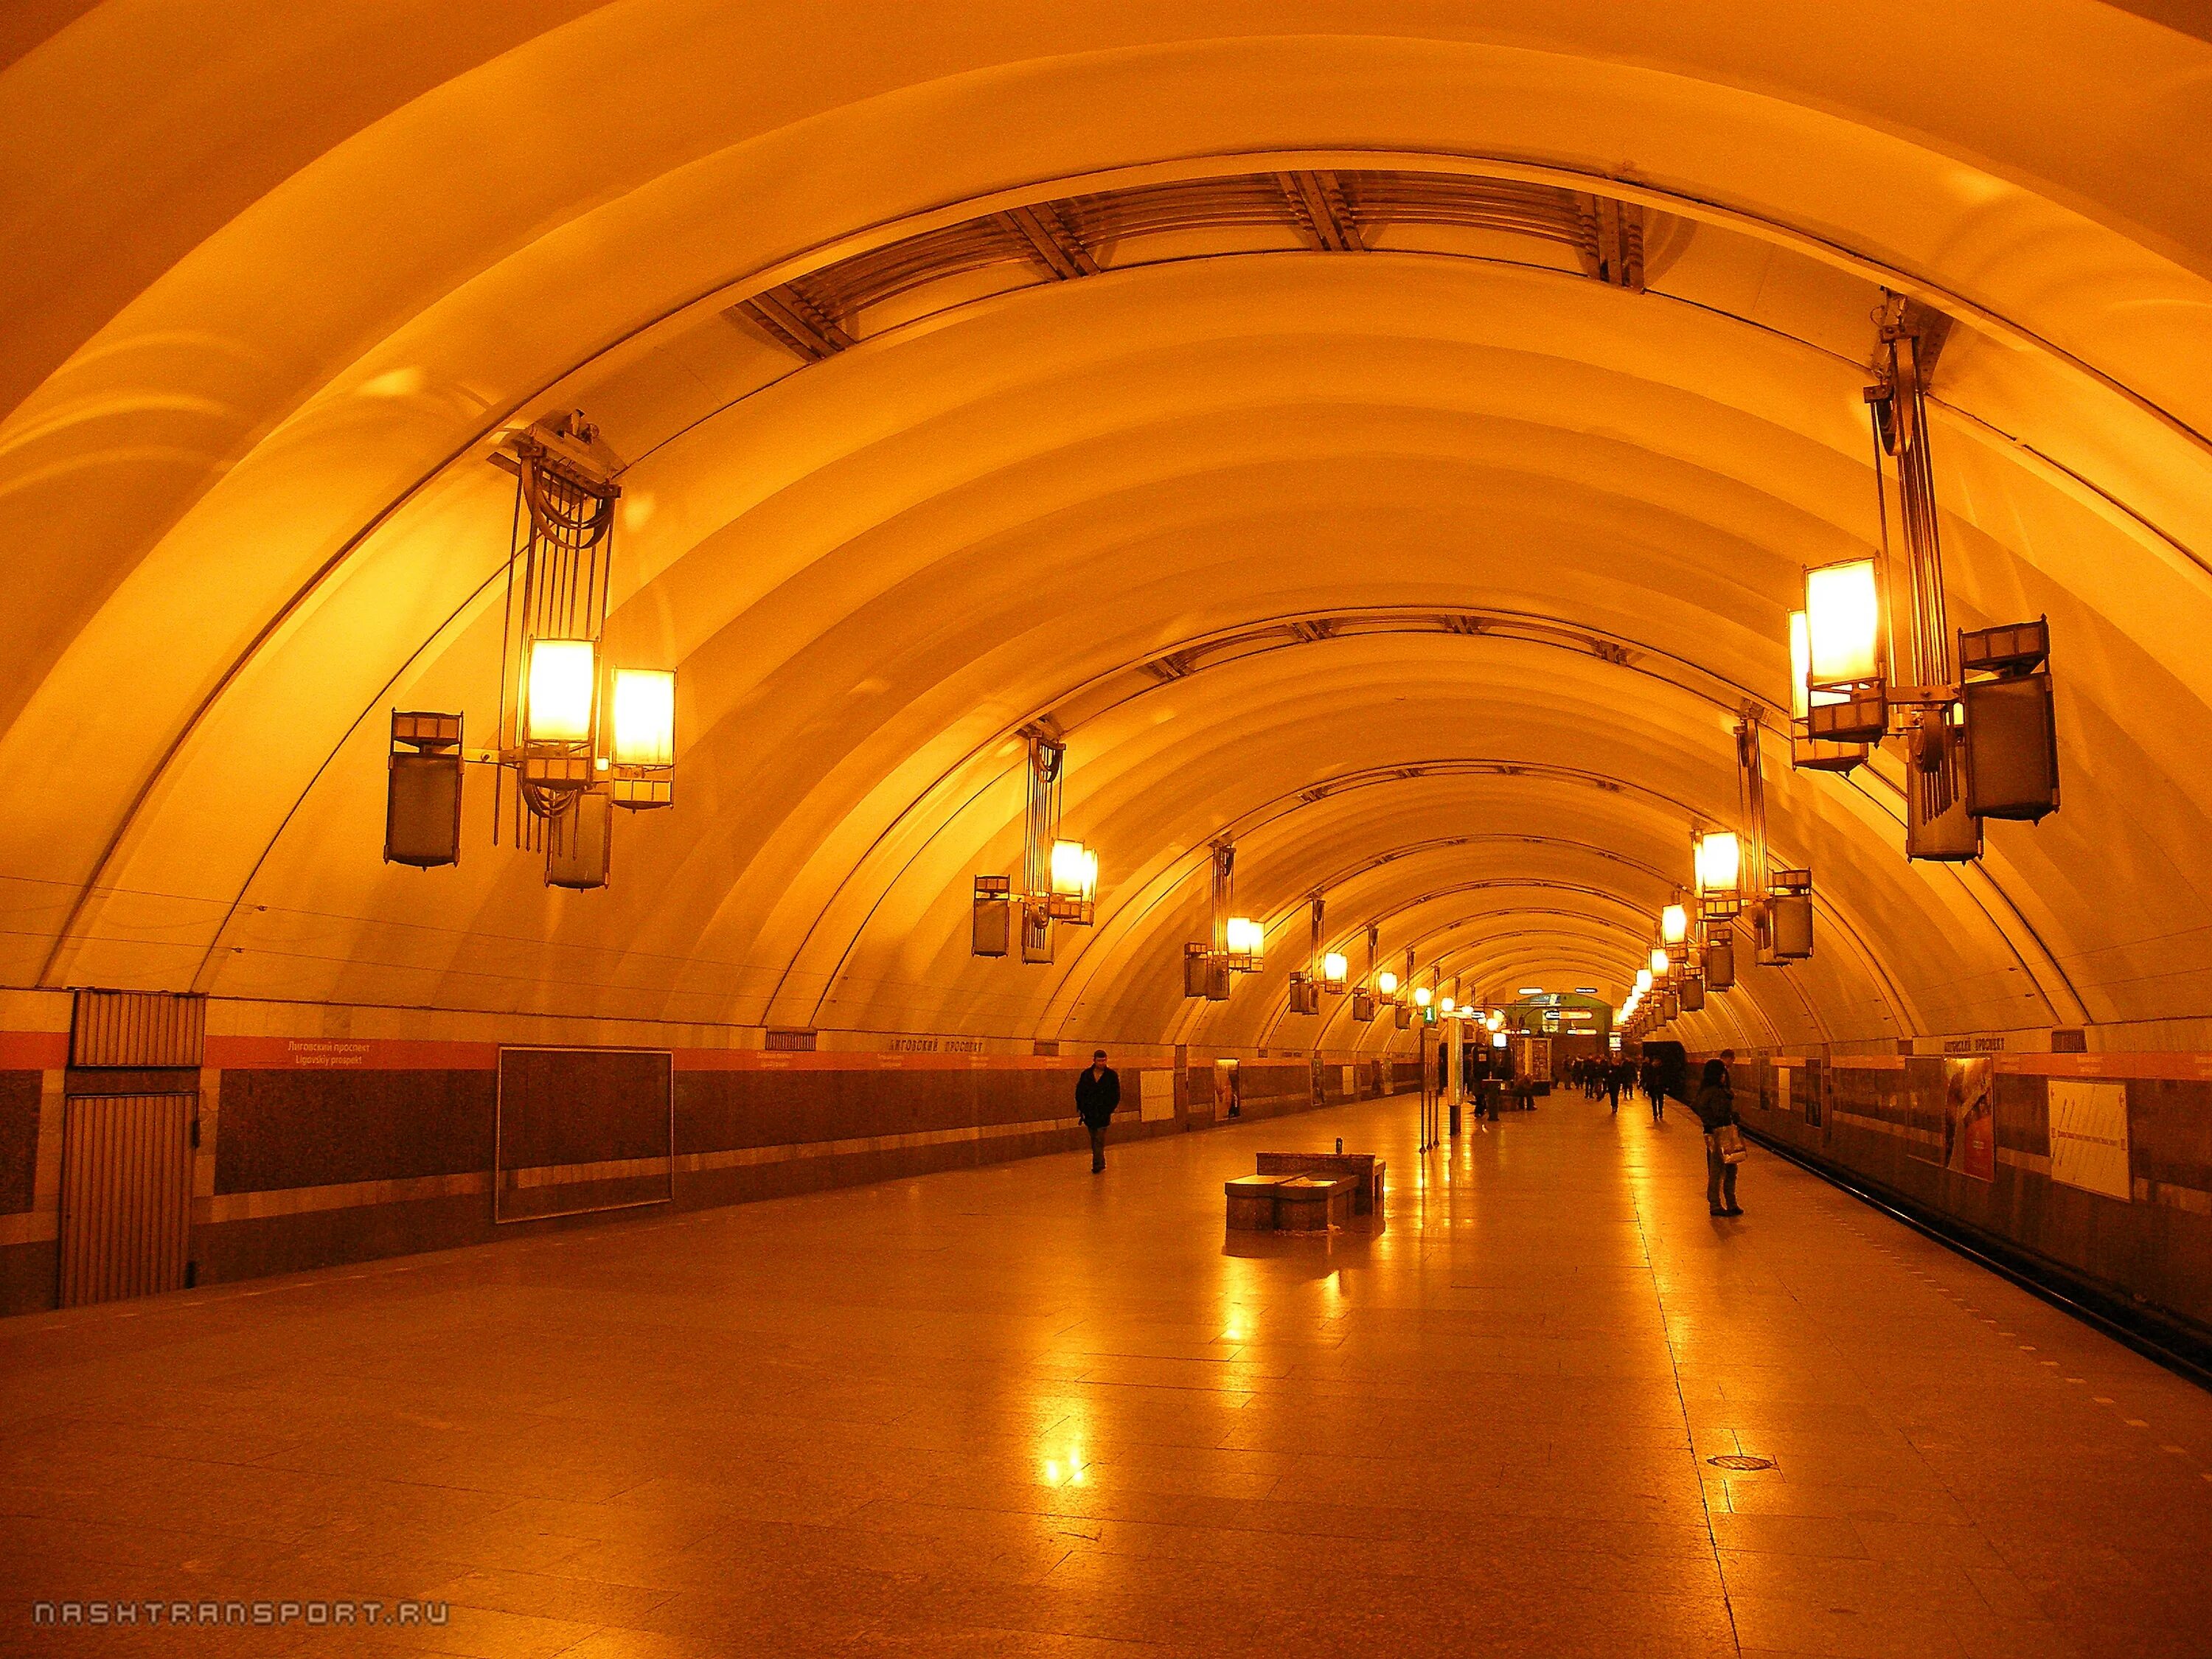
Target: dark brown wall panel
[
  {"x": 2153, "y": 1257},
  {"x": 19, "y": 1140},
  {"x": 2170, "y": 1131},
  {"x": 30, "y": 1275},
  {"x": 722, "y": 1111},
  {"x": 581, "y": 1106},
  {"x": 292, "y": 1129}
]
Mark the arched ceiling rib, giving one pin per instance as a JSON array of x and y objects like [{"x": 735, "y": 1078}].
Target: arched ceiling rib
[{"x": 1199, "y": 505}]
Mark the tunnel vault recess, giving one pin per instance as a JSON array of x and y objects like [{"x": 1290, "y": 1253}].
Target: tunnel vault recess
[{"x": 1400, "y": 482}]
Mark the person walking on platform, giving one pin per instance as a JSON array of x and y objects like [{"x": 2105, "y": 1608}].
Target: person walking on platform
[
  {"x": 1097, "y": 1092},
  {"x": 1715, "y": 1105},
  {"x": 1655, "y": 1090},
  {"x": 1612, "y": 1078}
]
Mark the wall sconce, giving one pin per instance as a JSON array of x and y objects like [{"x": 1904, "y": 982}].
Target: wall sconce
[
  {"x": 1205, "y": 973},
  {"x": 1642, "y": 982},
  {"x": 1334, "y": 971},
  {"x": 1423, "y": 996},
  {"x": 1246, "y": 941},
  {"x": 1807, "y": 751},
  {"x": 1386, "y": 984},
  {"x": 561, "y": 691},
  {"x": 1720, "y": 963},
  {"x": 992, "y": 931},
  {"x": 1074, "y": 877},
  {"x": 1673, "y": 924},
  {"x": 1716, "y": 862},
  {"x": 569, "y": 765},
  {"x": 1790, "y": 916},
  {"x": 1846, "y": 690},
  {"x": 642, "y": 765},
  {"x": 423, "y": 795},
  {"x": 2011, "y": 722},
  {"x": 1059, "y": 877},
  {"x": 1659, "y": 963}
]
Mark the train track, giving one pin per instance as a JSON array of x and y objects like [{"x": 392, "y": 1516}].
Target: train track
[{"x": 2148, "y": 1333}]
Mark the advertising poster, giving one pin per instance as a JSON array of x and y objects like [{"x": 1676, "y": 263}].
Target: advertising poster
[
  {"x": 1970, "y": 1117},
  {"x": 1156, "y": 1096},
  {"x": 2089, "y": 1137},
  {"x": 1782, "y": 1089}
]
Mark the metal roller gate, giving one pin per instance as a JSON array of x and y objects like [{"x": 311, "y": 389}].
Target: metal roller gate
[{"x": 126, "y": 1195}]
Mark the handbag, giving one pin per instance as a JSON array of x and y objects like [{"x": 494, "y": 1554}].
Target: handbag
[{"x": 1729, "y": 1143}]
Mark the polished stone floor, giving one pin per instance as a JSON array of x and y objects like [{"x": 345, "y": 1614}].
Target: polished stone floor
[{"x": 1025, "y": 1411}]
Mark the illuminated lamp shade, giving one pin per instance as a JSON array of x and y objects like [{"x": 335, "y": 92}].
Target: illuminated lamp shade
[
  {"x": 1244, "y": 937},
  {"x": 1334, "y": 967},
  {"x": 1423, "y": 996},
  {"x": 1643, "y": 981},
  {"x": 1674, "y": 927},
  {"x": 1498, "y": 1042},
  {"x": 645, "y": 717},
  {"x": 1075, "y": 872},
  {"x": 1386, "y": 982},
  {"x": 1800, "y": 665},
  {"x": 1446, "y": 1005},
  {"x": 1659, "y": 963},
  {"x": 1719, "y": 862},
  {"x": 1842, "y": 613},
  {"x": 562, "y": 677},
  {"x": 1496, "y": 1020}
]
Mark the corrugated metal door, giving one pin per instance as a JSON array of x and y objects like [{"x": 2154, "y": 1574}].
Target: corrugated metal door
[{"x": 126, "y": 1195}]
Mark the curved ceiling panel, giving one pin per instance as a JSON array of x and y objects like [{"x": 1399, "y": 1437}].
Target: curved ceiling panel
[{"x": 1394, "y": 448}]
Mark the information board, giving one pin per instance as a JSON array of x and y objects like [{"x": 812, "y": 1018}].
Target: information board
[{"x": 2089, "y": 1136}]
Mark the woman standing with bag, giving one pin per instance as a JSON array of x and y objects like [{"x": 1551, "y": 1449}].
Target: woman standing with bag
[{"x": 1714, "y": 1106}]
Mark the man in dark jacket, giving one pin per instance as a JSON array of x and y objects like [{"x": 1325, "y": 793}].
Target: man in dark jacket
[{"x": 1097, "y": 1092}]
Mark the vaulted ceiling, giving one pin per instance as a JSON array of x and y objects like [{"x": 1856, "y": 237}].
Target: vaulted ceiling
[{"x": 1390, "y": 435}]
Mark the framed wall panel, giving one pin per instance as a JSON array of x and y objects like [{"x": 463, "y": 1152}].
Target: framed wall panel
[{"x": 583, "y": 1129}]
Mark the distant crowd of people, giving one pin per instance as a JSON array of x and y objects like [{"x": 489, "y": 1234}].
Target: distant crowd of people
[{"x": 1661, "y": 1070}]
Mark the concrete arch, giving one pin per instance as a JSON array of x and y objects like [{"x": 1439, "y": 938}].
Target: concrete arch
[{"x": 269, "y": 420}]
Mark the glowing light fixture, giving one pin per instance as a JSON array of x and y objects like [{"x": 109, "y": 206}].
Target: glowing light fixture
[
  {"x": 643, "y": 754},
  {"x": 1643, "y": 980},
  {"x": 1075, "y": 871},
  {"x": 1333, "y": 970},
  {"x": 1842, "y": 613},
  {"x": 1244, "y": 939},
  {"x": 1423, "y": 996},
  {"x": 563, "y": 676},
  {"x": 1719, "y": 861},
  {"x": 1673, "y": 925},
  {"x": 645, "y": 717},
  {"x": 1445, "y": 1004},
  {"x": 1659, "y": 963},
  {"x": 1800, "y": 665},
  {"x": 1386, "y": 984}
]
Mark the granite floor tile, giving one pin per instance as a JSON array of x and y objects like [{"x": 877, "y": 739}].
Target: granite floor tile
[{"x": 1021, "y": 1411}]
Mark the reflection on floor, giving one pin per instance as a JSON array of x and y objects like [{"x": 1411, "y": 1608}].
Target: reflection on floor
[{"x": 1028, "y": 1411}]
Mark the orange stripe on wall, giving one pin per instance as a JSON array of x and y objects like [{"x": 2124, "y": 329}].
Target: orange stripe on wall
[
  {"x": 406, "y": 1054},
  {"x": 247, "y": 1053},
  {"x": 33, "y": 1051},
  {"x": 2198, "y": 1067}
]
